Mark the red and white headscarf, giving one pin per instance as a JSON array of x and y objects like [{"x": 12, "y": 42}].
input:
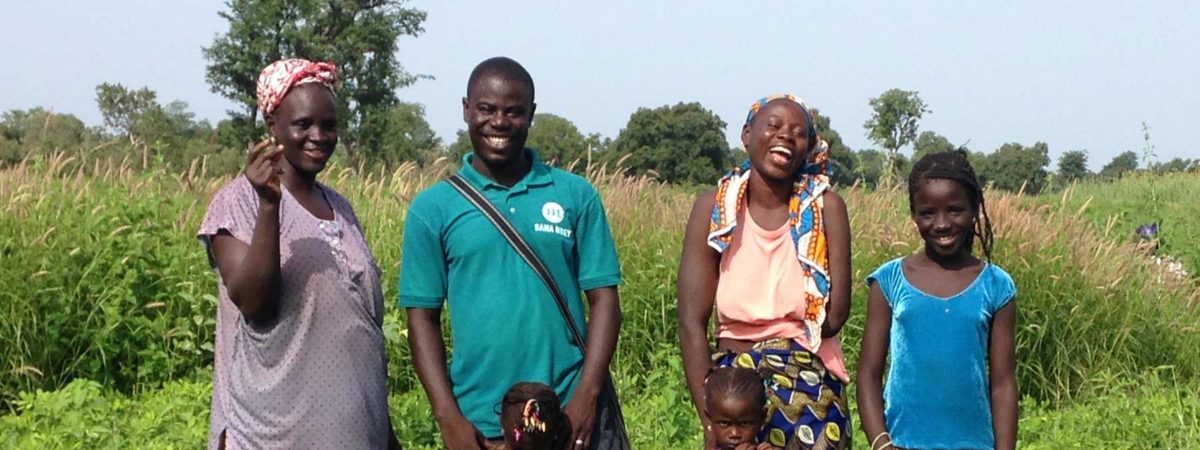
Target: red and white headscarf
[{"x": 280, "y": 76}]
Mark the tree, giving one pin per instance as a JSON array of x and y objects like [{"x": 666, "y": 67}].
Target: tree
[
  {"x": 1120, "y": 165},
  {"x": 360, "y": 36},
  {"x": 171, "y": 123},
  {"x": 38, "y": 126},
  {"x": 139, "y": 116},
  {"x": 869, "y": 166},
  {"x": 599, "y": 146},
  {"x": 236, "y": 132},
  {"x": 38, "y": 131},
  {"x": 930, "y": 142},
  {"x": 169, "y": 133},
  {"x": 1014, "y": 166},
  {"x": 737, "y": 155},
  {"x": 557, "y": 140},
  {"x": 406, "y": 135},
  {"x": 122, "y": 109},
  {"x": 893, "y": 124},
  {"x": 900, "y": 165},
  {"x": 1177, "y": 165},
  {"x": 684, "y": 143},
  {"x": 461, "y": 146},
  {"x": 1072, "y": 166},
  {"x": 981, "y": 164},
  {"x": 841, "y": 157}
]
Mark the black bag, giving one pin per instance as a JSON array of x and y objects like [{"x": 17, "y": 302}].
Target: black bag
[{"x": 609, "y": 431}]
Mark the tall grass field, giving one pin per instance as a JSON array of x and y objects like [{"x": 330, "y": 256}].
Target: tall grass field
[
  {"x": 1116, "y": 208},
  {"x": 107, "y": 305}
]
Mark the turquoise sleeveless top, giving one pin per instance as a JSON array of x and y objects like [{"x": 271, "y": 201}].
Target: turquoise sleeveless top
[{"x": 937, "y": 394}]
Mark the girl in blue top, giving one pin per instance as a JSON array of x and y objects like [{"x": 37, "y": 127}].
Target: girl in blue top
[{"x": 947, "y": 319}]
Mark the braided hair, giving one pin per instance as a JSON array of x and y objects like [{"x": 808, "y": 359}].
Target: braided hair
[
  {"x": 532, "y": 418},
  {"x": 955, "y": 166},
  {"x": 735, "y": 382}
]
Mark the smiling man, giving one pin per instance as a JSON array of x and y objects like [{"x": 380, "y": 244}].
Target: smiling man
[{"x": 505, "y": 325}]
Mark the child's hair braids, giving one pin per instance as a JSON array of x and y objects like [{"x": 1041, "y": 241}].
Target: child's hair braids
[
  {"x": 955, "y": 165},
  {"x": 540, "y": 422},
  {"x": 735, "y": 382}
]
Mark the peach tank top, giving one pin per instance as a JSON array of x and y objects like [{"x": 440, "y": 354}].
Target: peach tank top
[{"x": 759, "y": 292}]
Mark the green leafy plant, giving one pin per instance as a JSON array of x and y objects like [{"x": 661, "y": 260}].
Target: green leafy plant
[{"x": 106, "y": 282}]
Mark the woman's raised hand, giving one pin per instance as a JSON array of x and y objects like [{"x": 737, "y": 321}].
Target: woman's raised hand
[{"x": 263, "y": 169}]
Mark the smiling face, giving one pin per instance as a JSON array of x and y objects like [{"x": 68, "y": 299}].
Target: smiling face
[
  {"x": 734, "y": 420},
  {"x": 498, "y": 112},
  {"x": 777, "y": 139},
  {"x": 945, "y": 216},
  {"x": 306, "y": 125}
]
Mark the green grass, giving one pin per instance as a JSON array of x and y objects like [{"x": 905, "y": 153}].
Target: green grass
[
  {"x": 1116, "y": 207},
  {"x": 1151, "y": 413},
  {"x": 105, "y": 281}
]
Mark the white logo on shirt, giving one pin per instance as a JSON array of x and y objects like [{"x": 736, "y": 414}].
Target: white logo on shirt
[{"x": 553, "y": 212}]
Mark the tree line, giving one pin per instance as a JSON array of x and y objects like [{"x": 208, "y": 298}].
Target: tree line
[{"x": 682, "y": 143}]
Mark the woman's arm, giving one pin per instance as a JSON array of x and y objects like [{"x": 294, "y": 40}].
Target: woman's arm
[
  {"x": 837, "y": 237},
  {"x": 875, "y": 343},
  {"x": 1003, "y": 378},
  {"x": 251, "y": 272},
  {"x": 695, "y": 291}
]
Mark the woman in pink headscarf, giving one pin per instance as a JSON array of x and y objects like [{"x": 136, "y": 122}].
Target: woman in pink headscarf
[{"x": 300, "y": 359}]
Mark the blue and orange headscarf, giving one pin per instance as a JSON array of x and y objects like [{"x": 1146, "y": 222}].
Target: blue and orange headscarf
[
  {"x": 805, "y": 218},
  {"x": 281, "y": 76}
]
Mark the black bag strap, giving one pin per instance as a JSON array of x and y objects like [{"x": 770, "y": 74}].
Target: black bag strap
[{"x": 518, "y": 243}]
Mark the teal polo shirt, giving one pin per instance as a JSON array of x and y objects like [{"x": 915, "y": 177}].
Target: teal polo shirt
[{"x": 504, "y": 325}]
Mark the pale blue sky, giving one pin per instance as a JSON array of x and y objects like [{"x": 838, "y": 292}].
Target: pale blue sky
[{"x": 1076, "y": 75}]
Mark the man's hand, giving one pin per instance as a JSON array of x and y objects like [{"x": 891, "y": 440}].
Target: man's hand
[
  {"x": 458, "y": 433},
  {"x": 581, "y": 414}
]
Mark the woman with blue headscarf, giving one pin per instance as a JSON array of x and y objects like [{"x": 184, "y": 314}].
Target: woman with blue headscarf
[{"x": 770, "y": 249}]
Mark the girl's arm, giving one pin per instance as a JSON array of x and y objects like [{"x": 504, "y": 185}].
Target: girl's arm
[
  {"x": 875, "y": 343},
  {"x": 837, "y": 234},
  {"x": 696, "y": 290},
  {"x": 1003, "y": 379}
]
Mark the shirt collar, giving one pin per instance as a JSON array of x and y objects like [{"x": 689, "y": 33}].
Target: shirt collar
[{"x": 538, "y": 175}]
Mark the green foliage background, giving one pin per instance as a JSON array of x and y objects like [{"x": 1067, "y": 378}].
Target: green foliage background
[
  {"x": 683, "y": 143},
  {"x": 107, "y": 300},
  {"x": 108, "y": 303},
  {"x": 1117, "y": 207}
]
